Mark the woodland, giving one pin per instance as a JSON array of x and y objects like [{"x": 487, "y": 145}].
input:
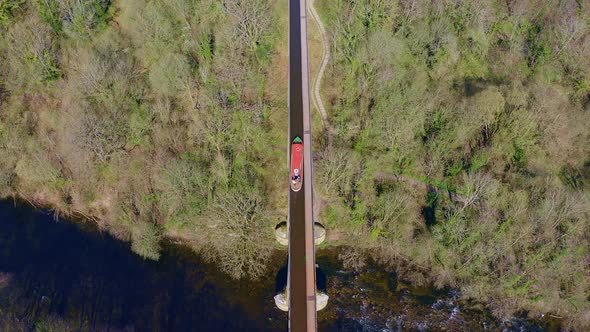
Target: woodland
[{"x": 458, "y": 153}]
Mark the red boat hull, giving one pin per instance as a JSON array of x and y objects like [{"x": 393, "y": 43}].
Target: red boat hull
[{"x": 296, "y": 173}]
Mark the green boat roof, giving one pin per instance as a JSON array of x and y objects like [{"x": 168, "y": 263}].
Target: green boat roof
[{"x": 297, "y": 140}]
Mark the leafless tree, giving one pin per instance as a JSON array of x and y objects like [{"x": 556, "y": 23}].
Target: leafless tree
[
  {"x": 253, "y": 18},
  {"x": 560, "y": 206},
  {"x": 477, "y": 186},
  {"x": 353, "y": 258},
  {"x": 569, "y": 27},
  {"x": 240, "y": 236},
  {"x": 102, "y": 134},
  {"x": 30, "y": 53}
]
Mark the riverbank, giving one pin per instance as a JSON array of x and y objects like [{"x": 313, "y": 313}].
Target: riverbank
[
  {"x": 160, "y": 123},
  {"x": 74, "y": 276}
]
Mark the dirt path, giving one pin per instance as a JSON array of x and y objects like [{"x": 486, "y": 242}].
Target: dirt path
[{"x": 316, "y": 96}]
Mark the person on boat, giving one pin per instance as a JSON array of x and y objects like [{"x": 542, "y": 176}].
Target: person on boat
[{"x": 296, "y": 175}]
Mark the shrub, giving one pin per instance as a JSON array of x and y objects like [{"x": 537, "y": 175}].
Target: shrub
[
  {"x": 168, "y": 76},
  {"x": 145, "y": 240}
]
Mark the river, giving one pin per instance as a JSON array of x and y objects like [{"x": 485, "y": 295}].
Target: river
[{"x": 57, "y": 275}]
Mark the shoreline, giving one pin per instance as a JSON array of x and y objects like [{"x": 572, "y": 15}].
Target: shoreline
[{"x": 327, "y": 254}]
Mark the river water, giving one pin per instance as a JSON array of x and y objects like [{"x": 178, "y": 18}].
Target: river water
[{"x": 57, "y": 275}]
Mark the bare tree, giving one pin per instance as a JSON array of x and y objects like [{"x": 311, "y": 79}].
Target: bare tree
[
  {"x": 240, "y": 233},
  {"x": 560, "y": 206},
  {"x": 31, "y": 56},
  {"x": 336, "y": 170},
  {"x": 569, "y": 27},
  {"x": 353, "y": 258},
  {"x": 102, "y": 134},
  {"x": 477, "y": 187},
  {"x": 252, "y": 19}
]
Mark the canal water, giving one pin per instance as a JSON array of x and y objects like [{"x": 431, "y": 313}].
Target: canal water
[{"x": 57, "y": 275}]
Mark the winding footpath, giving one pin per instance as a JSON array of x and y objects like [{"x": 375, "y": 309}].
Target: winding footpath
[{"x": 316, "y": 96}]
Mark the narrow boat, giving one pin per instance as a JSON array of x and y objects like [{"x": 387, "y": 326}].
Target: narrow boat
[{"x": 296, "y": 164}]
